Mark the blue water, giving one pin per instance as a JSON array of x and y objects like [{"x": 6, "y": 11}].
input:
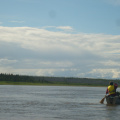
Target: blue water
[{"x": 55, "y": 103}]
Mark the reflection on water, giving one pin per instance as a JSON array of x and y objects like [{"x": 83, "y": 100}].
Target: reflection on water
[{"x": 54, "y": 103}]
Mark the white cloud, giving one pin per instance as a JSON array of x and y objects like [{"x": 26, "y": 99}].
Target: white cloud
[
  {"x": 111, "y": 63},
  {"x": 47, "y": 64},
  {"x": 106, "y": 73},
  {"x": 65, "y": 27},
  {"x": 6, "y": 70},
  {"x": 7, "y": 61},
  {"x": 46, "y": 72},
  {"x": 40, "y": 39},
  {"x": 44, "y": 52}
]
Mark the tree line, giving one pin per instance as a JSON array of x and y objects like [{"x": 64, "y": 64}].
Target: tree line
[
  {"x": 53, "y": 80},
  {"x": 20, "y": 78}
]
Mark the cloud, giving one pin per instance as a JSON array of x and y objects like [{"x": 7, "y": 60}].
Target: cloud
[
  {"x": 64, "y": 28},
  {"x": 106, "y": 73},
  {"x": 35, "y": 51},
  {"x": 6, "y": 61}
]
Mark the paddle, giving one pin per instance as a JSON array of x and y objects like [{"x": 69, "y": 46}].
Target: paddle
[{"x": 102, "y": 101}]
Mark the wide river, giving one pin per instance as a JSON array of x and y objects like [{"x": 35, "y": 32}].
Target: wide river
[{"x": 55, "y": 103}]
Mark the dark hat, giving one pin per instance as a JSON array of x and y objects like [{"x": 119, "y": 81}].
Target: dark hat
[{"x": 111, "y": 83}]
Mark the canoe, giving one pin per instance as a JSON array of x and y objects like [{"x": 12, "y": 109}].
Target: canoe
[{"x": 113, "y": 100}]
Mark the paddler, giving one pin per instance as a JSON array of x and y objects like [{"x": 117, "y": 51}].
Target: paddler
[{"x": 111, "y": 89}]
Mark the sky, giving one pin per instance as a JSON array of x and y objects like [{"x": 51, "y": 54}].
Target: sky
[{"x": 61, "y": 38}]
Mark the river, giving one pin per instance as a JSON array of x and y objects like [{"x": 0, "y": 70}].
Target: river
[{"x": 19, "y": 102}]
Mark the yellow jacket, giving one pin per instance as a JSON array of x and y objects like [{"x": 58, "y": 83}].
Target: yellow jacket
[{"x": 111, "y": 89}]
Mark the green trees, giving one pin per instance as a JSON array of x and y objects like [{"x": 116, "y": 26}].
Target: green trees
[
  {"x": 21, "y": 78},
  {"x": 44, "y": 80},
  {"x": 14, "y": 78}
]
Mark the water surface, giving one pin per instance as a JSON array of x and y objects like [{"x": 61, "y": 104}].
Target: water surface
[{"x": 54, "y": 103}]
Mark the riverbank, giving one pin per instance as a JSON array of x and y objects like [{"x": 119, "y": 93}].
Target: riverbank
[
  {"x": 47, "y": 84},
  {"x": 10, "y": 79}
]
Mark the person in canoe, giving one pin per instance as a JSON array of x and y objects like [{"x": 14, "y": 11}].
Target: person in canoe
[{"x": 111, "y": 89}]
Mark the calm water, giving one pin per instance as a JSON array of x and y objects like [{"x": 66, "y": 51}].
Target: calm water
[{"x": 55, "y": 103}]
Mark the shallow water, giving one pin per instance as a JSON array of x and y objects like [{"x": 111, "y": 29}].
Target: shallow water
[{"x": 54, "y": 103}]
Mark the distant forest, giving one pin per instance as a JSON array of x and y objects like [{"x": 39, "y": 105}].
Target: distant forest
[
  {"x": 19, "y": 78},
  {"x": 11, "y": 78}
]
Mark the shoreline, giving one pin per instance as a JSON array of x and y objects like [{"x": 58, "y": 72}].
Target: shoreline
[
  {"x": 49, "y": 84},
  {"x": 10, "y": 79}
]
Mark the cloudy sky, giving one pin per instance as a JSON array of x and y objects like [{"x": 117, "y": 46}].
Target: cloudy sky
[{"x": 69, "y": 38}]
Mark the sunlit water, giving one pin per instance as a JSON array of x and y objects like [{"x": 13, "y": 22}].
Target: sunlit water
[{"x": 55, "y": 103}]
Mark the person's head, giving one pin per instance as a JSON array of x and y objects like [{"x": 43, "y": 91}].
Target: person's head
[{"x": 111, "y": 83}]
